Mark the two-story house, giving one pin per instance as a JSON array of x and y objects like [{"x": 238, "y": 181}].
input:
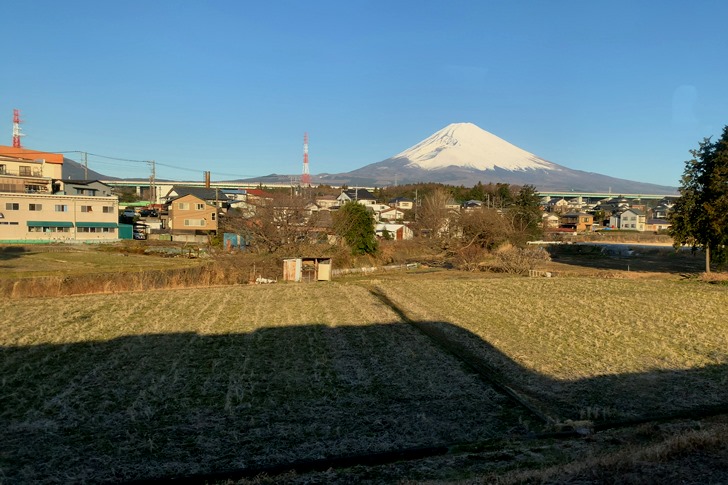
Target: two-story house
[
  {"x": 628, "y": 220},
  {"x": 362, "y": 196},
  {"x": 402, "y": 203},
  {"x": 578, "y": 221},
  {"x": 211, "y": 196},
  {"x": 191, "y": 218}
]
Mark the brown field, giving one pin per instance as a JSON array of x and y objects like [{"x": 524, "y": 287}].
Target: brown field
[
  {"x": 35, "y": 261},
  {"x": 137, "y": 385}
]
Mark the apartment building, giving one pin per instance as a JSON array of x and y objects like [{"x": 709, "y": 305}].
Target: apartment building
[{"x": 34, "y": 206}]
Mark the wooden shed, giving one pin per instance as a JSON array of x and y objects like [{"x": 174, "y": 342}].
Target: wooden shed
[{"x": 307, "y": 269}]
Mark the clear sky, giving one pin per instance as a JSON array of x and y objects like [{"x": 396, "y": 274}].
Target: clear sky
[{"x": 623, "y": 88}]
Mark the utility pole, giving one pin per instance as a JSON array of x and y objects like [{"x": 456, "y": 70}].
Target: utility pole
[
  {"x": 85, "y": 166},
  {"x": 152, "y": 182}
]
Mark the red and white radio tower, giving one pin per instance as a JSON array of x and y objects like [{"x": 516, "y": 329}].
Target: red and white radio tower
[
  {"x": 306, "y": 176},
  {"x": 16, "y": 129}
]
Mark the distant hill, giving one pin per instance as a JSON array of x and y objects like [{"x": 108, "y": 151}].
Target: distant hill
[{"x": 73, "y": 170}]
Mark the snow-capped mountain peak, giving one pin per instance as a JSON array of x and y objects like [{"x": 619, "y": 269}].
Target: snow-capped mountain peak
[{"x": 467, "y": 145}]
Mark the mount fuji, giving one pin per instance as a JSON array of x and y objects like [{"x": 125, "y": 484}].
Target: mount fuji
[{"x": 464, "y": 154}]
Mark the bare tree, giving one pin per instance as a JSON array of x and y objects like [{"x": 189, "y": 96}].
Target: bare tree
[
  {"x": 271, "y": 223},
  {"x": 485, "y": 228},
  {"x": 434, "y": 217}
]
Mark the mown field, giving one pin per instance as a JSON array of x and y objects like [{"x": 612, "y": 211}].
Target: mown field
[
  {"x": 37, "y": 261},
  {"x": 587, "y": 348},
  {"x": 139, "y": 385}
]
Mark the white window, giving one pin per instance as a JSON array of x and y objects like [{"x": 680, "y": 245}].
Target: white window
[
  {"x": 12, "y": 206},
  {"x": 183, "y": 206},
  {"x": 61, "y": 208},
  {"x": 49, "y": 229},
  {"x": 96, "y": 229},
  {"x": 86, "y": 208},
  {"x": 195, "y": 222},
  {"x": 107, "y": 209},
  {"x": 200, "y": 207},
  {"x": 24, "y": 170},
  {"x": 35, "y": 207}
]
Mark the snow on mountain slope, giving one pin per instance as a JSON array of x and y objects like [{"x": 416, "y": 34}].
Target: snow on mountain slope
[{"x": 467, "y": 145}]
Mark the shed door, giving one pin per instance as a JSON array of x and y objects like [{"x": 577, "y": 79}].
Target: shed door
[{"x": 324, "y": 271}]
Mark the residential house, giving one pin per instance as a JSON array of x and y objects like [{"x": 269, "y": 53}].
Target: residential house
[
  {"x": 549, "y": 220},
  {"x": 577, "y": 221},
  {"x": 377, "y": 209},
  {"x": 662, "y": 209},
  {"x": 327, "y": 201},
  {"x": 211, "y": 196},
  {"x": 191, "y": 218},
  {"x": 362, "y": 196},
  {"x": 391, "y": 214},
  {"x": 657, "y": 225},
  {"x": 472, "y": 204},
  {"x": 628, "y": 220},
  {"x": 452, "y": 205},
  {"x": 93, "y": 188},
  {"x": 398, "y": 232},
  {"x": 402, "y": 203},
  {"x": 558, "y": 206}
]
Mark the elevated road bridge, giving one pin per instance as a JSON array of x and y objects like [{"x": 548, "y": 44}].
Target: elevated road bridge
[
  {"x": 143, "y": 187},
  {"x": 603, "y": 195}
]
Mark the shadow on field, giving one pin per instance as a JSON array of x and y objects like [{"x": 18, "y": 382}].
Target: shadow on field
[
  {"x": 11, "y": 252},
  {"x": 150, "y": 406},
  {"x": 628, "y": 257},
  {"x": 605, "y": 400}
]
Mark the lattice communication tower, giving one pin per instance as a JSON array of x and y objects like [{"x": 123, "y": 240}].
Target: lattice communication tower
[
  {"x": 16, "y": 128},
  {"x": 305, "y": 176}
]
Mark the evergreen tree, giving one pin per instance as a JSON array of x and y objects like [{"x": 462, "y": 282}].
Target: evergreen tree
[
  {"x": 526, "y": 211},
  {"x": 355, "y": 224},
  {"x": 700, "y": 215}
]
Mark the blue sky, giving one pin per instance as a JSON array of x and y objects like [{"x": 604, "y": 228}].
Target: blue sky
[{"x": 623, "y": 88}]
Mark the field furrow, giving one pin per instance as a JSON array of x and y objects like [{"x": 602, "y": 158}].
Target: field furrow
[
  {"x": 192, "y": 381},
  {"x": 622, "y": 346}
]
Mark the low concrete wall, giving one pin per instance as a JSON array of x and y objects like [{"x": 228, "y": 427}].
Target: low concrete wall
[{"x": 374, "y": 269}]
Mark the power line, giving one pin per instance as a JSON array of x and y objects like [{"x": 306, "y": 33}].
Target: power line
[
  {"x": 129, "y": 160},
  {"x": 168, "y": 165}
]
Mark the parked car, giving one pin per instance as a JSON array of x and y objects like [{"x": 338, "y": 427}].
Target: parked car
[{"x": 128, "y": 213}]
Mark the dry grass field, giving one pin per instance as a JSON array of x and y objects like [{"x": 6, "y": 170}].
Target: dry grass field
[
  {"x": 133, "y": 386},
  {"x": 587, "y": 348},
  {"x": 139, "y": 385},
  {"x": 34, "y": 261}
]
